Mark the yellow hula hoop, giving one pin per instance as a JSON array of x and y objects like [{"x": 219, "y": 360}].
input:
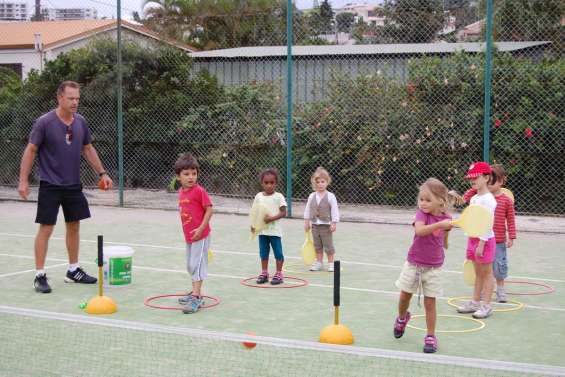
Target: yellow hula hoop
[
  {"x": 517, "y": 304},
  {"x": 480, "y": 327}
]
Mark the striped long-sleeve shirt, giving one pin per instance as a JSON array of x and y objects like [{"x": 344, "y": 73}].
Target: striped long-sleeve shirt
[{"x": 504, "y": 216}]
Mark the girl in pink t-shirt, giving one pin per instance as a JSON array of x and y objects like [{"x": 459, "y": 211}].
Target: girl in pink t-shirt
[{"x": 421, "y": 271}]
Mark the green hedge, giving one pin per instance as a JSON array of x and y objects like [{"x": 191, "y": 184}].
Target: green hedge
[{"x": 379, "y": 137}]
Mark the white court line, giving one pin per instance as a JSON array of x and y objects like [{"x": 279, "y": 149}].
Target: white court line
[
  {"x": 34, "y": 270},
  {"x": 254, "y": 254},
  {"x": 486, "y": 366},
  {"x": 391, "y": 293}
]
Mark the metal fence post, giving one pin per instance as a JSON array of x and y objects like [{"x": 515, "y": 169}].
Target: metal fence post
[
  {"x": 488, "y": 84},
  {"x": 120, "y": 121},
  {"x": 289, "y": 106}
]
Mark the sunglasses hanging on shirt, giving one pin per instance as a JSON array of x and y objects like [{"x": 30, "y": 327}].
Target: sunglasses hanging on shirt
[{"x": 69, "y": 135}]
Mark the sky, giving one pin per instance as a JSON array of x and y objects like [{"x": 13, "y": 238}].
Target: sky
[{"x": 107, "y": 7}]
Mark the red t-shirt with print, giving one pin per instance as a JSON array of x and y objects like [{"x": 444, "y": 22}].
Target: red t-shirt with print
[{"x": 192, "y": 206}]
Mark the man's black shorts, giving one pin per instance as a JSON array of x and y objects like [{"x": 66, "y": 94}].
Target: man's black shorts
[{"x": 51, "y": 197}]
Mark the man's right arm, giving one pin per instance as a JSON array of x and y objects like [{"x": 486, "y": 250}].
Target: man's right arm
[{"x": 25, "y": 169}]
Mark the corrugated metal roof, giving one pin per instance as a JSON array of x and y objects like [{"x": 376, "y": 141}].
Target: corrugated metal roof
[{"x": 375, "y": 49}]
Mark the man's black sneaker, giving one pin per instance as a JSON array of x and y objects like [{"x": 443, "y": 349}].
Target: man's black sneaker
[
  {"x": 79, "y": 276},
  {"x": 40, "y": 284}
]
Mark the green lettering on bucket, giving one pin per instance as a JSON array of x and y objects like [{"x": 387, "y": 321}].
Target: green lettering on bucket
[{"x": 120, "y": 271}]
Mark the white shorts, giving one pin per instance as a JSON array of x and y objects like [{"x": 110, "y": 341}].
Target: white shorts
[
  {"x": 412, "y": 276},
  {"x": 197, "y": 259}
]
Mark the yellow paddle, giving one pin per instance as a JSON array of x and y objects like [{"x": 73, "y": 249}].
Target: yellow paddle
[
  {"x": 475, "y": 220},
  {"x": 469, "y": 272},
  {"x": 308, "y": 250}
]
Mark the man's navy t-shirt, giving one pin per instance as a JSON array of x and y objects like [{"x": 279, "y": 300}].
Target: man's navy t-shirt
[{"x": 59, "y": 157}]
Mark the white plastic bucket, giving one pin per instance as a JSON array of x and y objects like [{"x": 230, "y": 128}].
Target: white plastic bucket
[{"x": 117, "y": 267}]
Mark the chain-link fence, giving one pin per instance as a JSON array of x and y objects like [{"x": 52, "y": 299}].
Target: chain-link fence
[{"x": 384, "y": 95}]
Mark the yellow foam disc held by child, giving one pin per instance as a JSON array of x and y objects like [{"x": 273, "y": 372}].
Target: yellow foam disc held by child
[
  {"x": 475, "y": 220},
  {"x": 257, "y": 218}
]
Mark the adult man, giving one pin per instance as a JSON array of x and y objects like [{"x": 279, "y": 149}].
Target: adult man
[{"x": 59, "y": 138}]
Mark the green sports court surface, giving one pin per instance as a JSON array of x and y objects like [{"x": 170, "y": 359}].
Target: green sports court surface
[{"x": 371, "y": 256}]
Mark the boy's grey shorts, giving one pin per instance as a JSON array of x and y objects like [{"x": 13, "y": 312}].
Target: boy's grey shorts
[
  {"x": 197, "y": 259},
  {"x": 322, "y": 237}
]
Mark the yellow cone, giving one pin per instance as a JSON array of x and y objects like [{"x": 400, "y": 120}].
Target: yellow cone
[
  {"x": 101, "y": 305},
  {"x": 336, "y": 334}
]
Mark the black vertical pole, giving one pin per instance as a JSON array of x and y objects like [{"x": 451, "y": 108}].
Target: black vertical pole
[{"x": 100, "y": 264}]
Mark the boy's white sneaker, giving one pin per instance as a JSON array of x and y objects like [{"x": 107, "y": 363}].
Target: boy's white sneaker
[
  {"x": 469, "y": 307},
  {"x": 483, "y": 312},
  {"x": 316, "y": 266},
  {"x": 501, "y": 295},
  {"x": 330, "y": 267}
]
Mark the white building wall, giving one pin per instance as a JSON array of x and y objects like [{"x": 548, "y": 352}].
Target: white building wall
[
  {"x": 32, "y": 59},
  {"x": 29, "y": 59}
]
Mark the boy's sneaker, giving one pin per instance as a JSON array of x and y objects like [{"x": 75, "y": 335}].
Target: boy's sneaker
[
  {"x": 469, "y": 307},
  {"x": 501, "y": 295},
  {"x": 483, "y": 312},
  {"x": 40, "y": 284},
  {"x": 400, "y": 325},
  {"x": 430, "y": 344},
  {"x": 330, "y": 267},
  {"x": 316, "y": 266},
  {"x": 79, "y": 276},
  {"x": 192, "y": 306},
  {"x": 184, "y": 300},
  {"x": 263, "y": 278},
  {"x": 277, "y": 278}
]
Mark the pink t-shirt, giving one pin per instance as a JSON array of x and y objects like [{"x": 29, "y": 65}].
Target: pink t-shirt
[
  {"x": 192, "y": 206},
  {"x": 428, "y": 250}
]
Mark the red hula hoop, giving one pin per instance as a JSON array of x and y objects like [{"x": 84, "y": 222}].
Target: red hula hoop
[
  {"x": 147, "y": 302},
  {"x": 548, "y": 288}
]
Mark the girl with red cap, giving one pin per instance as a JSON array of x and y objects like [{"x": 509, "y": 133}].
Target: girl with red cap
[{"x": 481, "y": 250}]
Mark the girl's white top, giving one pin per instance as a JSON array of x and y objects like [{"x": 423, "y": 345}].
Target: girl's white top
[{"x": 273, "y": 203}]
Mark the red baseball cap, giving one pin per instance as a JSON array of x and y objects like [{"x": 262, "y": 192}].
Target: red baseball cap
[{"x": 478, "y": 168}]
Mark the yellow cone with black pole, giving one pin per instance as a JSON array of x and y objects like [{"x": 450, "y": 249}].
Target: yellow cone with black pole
[
  {"x": 336, "y": 333},
  {"x": 101, "y": 304}
]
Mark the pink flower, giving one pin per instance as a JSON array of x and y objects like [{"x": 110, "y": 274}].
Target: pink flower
[
  {"x": 513, "y": 162},
  {"x": 497, "y": 123},
  {"x": 528, "y": 132}
]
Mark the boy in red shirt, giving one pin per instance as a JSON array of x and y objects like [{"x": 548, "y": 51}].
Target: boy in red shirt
[
  {"x": 195, "y": 209},
  {"x": 504, "y": 221}
]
